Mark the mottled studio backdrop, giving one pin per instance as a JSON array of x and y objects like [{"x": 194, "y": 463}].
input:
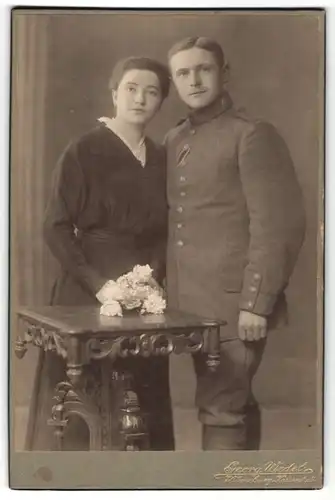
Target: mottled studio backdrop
[{"x": 61, "y": 67}]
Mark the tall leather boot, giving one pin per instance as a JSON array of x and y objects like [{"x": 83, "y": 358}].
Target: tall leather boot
[
  {"x": 253, "y": 426},
  {"x": 216, "y": 437},
  {"x": 240, "y": 437}
]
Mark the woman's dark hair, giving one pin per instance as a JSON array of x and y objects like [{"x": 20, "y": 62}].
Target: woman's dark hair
[
  {"x": 145, "y": 63},
  {"x": 201, "y": 42}
]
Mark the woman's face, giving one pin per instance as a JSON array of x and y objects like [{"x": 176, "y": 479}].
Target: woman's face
[{"x": 138, "y": 97}]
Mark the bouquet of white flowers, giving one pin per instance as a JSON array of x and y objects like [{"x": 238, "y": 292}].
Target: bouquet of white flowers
[{"x": 134, "y": 290}]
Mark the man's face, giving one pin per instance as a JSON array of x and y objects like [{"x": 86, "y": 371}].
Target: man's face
[{"x": 197, "y": 77}]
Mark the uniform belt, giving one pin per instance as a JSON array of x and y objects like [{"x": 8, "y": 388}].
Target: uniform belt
[{"x": 102, "y": 235}]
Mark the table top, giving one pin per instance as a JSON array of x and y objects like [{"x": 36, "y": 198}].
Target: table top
[{"x": 78, "y": 320}]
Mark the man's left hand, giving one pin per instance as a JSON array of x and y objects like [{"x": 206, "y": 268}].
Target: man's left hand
[{"x": 251, "y": 327}]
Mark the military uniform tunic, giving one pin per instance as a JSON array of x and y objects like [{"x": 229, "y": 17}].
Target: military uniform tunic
[
  {"x": 236, "y": 225},
  {"x": 236, "y": 222}
]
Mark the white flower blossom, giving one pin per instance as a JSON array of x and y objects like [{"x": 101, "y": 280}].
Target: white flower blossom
[
  {"x": 132, "y": 290},
  {"x": 112, "y": 308},
  {"x": 142, "y": 274},
  {"x": 123, "y": 282},
  {"x": 142, "y": 291},
  {"x": 153, "y": 304},
  {"x": 111, "y": 291},
  {"x": 131, "y": 300}
]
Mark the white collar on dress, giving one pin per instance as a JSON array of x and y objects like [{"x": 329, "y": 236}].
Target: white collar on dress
[{"x": 139, "y": 152}]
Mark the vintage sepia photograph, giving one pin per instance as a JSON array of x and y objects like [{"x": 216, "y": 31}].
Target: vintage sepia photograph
[{"x": 166, "y": 251}]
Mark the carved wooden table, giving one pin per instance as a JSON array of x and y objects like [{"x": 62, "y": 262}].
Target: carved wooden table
[{"x": 83, "y": 337}]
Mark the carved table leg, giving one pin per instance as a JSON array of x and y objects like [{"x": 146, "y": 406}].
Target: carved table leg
[
  {"x": 74, "y": 362},
  {"x": 80, "y": 396},
  {"x": 130, "y": 426},
  {"x": 75, "y": 402},
  {"x": 59, "y": 416},
  {"x": 212, "y": 345}
]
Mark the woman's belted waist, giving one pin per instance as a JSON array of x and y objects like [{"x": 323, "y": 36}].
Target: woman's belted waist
[
  {"x": 112, "y": 253},
  {"x": 104, "y": 235}
]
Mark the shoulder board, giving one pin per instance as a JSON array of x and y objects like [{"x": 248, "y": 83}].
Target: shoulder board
[{"x": 242, "y": 114}]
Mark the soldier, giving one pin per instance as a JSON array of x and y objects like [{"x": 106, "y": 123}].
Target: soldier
[{"x": 236, "y": 225}]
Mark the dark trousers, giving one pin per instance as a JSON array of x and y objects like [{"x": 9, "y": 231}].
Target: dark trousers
[{"x": 227, "y": 408}]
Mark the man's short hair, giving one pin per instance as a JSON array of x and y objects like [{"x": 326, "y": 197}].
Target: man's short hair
[{"x": 201, "y": 42}]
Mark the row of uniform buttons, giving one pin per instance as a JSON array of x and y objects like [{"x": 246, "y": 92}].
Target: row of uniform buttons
[
  {"x": 182, "y": 179},
  {"x": 180, "y": 209}
]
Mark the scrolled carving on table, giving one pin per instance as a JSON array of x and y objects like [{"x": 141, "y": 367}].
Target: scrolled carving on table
[
  {"x": 146, "y": 345},
  {"x": 157, "y": 344},
  {"x": 41, "y": 337}
]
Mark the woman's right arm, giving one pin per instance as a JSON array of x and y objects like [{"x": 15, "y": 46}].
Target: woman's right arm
[{"x": 68, "y": 196}]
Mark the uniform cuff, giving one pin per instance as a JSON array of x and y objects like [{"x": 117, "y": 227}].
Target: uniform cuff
[
  {"x": 263, "y": 305},
  {"x": 252, "y": 297}
]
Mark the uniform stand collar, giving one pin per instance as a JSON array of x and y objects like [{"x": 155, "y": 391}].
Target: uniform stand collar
[{"x": 216, "y": 108}]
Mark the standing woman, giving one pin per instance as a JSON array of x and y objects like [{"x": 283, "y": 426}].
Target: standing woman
[{"x": 107, "y": 213}]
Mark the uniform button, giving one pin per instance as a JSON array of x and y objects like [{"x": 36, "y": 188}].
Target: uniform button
[
  {"x": 180, "y": 209},
  {"x": 179, "y": 225},
  {"x": 257, "y": 276},
  {"x": 182, "y": 193},
  {"x": 250, "y": 304},
  {"x": 182, "y": 179},
  {"x": 192, "y": 131},
  {"x": 180, "y": 243},
  {"x": 253, "y": 289}
]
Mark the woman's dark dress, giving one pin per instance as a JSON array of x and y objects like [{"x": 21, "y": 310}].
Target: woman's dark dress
[{"x": 106, "y": 214}]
